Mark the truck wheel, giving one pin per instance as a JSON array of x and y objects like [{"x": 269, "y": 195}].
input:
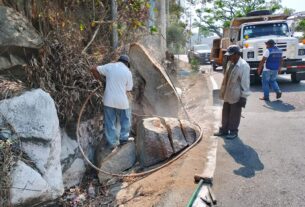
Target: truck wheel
[
  {"x": 255, "y": 79},
  {"x": 294, "y": 78},
  {"x": 224, "y": 63}
]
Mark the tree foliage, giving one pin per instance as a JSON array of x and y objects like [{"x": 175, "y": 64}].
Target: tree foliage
[
  {"x": 301, "y": 27},
  {"x": 176, "y": 34},
  {"x": 67, "y": 27},
  {"x": 213, "y": 17}
]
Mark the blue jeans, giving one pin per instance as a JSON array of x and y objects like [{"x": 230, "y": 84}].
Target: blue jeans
[
  {"x": 269, "y": 79},
  {"x": 117, "y": 124}
]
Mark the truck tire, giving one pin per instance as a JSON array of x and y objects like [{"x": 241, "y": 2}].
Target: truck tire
[
  {"x": 294, "y": 78},
  {"x": 224, "y": 63},
  {"x": 255, "y": 79}
]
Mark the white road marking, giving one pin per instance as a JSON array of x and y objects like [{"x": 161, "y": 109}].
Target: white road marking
[{"x": 214, "y": 84}]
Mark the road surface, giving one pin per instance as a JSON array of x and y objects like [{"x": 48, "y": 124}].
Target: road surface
[{"x": 265, "y": 166}]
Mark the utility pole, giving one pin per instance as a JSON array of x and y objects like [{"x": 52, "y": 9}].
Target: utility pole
[
  {"x": 114, "y": 13},
  {"x": 167, "y": 13}
]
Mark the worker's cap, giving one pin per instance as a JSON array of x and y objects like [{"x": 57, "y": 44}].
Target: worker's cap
[
  {"x": 124, "y": 58},
  {"x": 270, "y": 42},
  {"x": 233, "y": 49}
]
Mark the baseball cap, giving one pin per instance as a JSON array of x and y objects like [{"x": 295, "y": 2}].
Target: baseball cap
[
  {"x": 270, "y": 42},
  {"x": 233, "y": 49},
  {"x": 124, "y": 58}
]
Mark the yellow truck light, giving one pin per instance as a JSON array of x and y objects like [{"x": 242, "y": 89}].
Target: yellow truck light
[{"x": 246, "y": 45}]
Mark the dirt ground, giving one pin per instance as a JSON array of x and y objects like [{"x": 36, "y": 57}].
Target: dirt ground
[{"x": 173, "y": 186}]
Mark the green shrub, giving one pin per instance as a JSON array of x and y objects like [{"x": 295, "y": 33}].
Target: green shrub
[{"x": 195, "y": 64}]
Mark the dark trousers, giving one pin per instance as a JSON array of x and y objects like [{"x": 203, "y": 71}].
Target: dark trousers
[{"x": 231, "y": 114}]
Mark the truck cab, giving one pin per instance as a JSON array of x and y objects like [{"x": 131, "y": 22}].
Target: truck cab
[{"x": 251, "y": 33}]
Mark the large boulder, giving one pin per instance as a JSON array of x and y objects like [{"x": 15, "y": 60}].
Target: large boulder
[
  {"x": 160, "y": 137},
  {"x": 154, "y": 91},
  {"x": 34, "y": 119},
  {"x": 153, "y": 144},
  {"x": 18, "y": 40}
]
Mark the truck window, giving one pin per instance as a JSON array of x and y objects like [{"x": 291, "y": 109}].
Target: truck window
[{"x": 277, "y": 29}]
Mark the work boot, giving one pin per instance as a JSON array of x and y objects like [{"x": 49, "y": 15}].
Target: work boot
[
  {"x": 264, "y": 99},
  {"x": 221, "y": 133},
  {"x": 278, "y": 95},
  {"x": 123, "y": 142}
]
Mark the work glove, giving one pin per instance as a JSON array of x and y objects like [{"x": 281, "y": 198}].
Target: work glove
[{"x": 242, "y": 102}]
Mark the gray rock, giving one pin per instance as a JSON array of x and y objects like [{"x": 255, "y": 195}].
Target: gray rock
[
  {"x": 153, "y": 84},
  {"x": 68, "y": 146},
  {"x": 33, "y": 117},
  {"x": 74, "y": 174},
  {"x": 152, "y": 142},
  {"x": 73, "y": 165},
  {"x": 28, "y": 186},
  {"x": 91, "y": 134},
  {"x": 16, "y": 30},
  {"x": 18, "y": 41},
  {"x": 118, "y": 161},
  {"x": 39, "y": 154},
  {"x": 175, "y": 134},
  {"x": 189, "y": 131}
]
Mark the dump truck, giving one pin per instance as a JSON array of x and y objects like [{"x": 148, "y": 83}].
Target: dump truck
[{"x": 251, "y": 33}]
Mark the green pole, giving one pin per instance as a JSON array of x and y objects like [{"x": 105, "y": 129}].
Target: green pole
[{"x": 194, "y": 196}]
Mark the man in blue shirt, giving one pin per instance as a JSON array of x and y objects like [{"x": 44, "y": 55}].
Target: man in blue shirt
[{"x": 271, "y": 65}]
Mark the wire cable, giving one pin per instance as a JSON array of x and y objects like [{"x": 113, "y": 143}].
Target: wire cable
[{"x": 132, "y": 174}]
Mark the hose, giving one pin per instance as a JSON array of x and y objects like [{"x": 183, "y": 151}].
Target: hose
[
  {"x": 132, "y": 174},
  {"x": 195, "y": 193}
]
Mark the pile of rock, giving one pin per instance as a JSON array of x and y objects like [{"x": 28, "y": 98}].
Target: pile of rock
[{"x": 157, "y": 140}]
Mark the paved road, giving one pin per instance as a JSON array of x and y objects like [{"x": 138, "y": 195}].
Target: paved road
[{"x": 265, "y": 166}]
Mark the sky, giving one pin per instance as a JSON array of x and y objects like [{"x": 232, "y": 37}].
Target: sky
[{"x": 297, "y": 5}]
